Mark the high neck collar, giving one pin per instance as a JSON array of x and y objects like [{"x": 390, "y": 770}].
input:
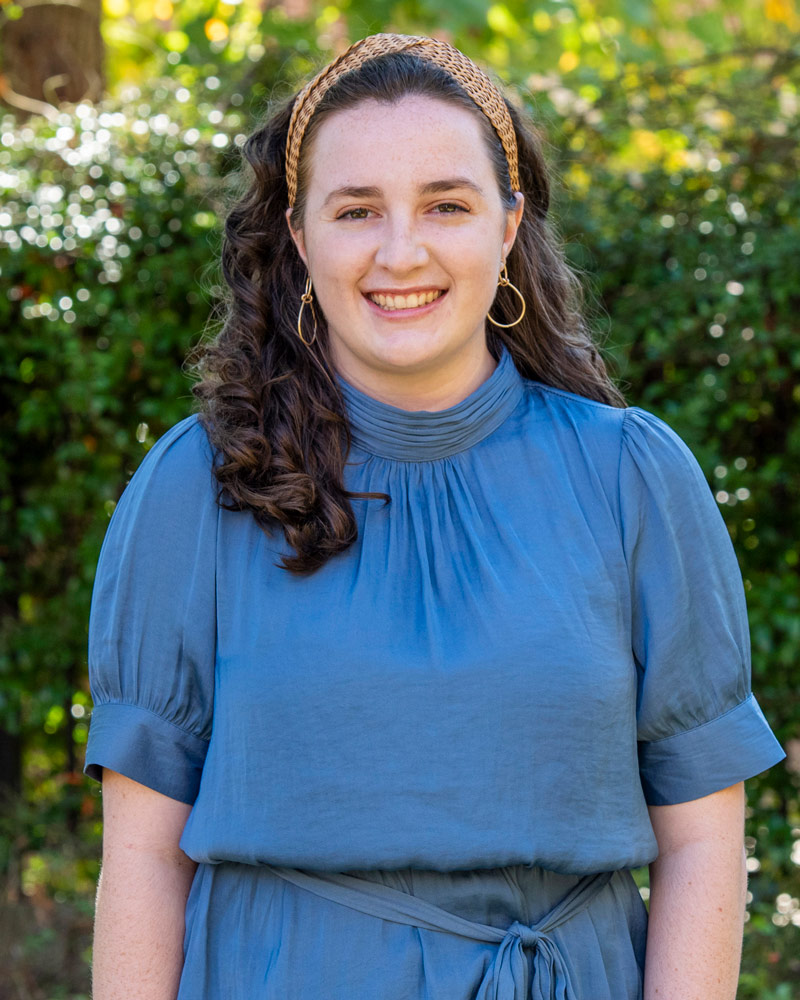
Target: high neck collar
[{"x": 426, "y": 435}]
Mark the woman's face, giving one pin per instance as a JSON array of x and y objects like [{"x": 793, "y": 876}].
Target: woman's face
[{"x": 403, "y": 237}]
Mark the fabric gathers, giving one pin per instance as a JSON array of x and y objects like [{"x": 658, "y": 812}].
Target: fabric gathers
[
  {"x": 543, "y": 633},
  {"x": 507, "y": 978}
]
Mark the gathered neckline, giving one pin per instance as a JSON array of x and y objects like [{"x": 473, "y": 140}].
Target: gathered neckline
[{"x": 425, "y": 435}]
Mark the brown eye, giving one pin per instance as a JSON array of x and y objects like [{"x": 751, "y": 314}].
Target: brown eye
[
  {"x": 449, "y": 208},
  {"x": 351, "y": 214}
]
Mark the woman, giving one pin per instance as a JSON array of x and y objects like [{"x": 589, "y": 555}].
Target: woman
[{"x": 464, "y": 641}]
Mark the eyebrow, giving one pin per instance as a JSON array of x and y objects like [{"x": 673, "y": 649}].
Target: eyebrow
[{"x": 432, "y": 187}]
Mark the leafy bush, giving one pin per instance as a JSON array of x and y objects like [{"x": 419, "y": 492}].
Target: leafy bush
[
  {"x": 109, "y": 229},
  {"x": 694, "y": 257}
]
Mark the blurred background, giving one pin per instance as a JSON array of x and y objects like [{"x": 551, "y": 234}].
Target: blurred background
[{"x": 672, "y": 135}]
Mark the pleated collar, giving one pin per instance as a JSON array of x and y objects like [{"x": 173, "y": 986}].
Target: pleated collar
[{"x": 425, "y": 435}]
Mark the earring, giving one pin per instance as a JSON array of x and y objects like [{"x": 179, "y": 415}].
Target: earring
[
  {"x": 505, "y": 281},
  {"x": 306, "y": 299}
]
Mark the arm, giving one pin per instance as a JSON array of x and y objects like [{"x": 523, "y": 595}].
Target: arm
[
  {"x": 698, "y": 887},
  {"x": 141, "y": 895}
]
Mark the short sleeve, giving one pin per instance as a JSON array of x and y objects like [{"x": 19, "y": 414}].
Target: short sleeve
[
  {"x": 699, "y": 726},
  {"x": 152, "y": 622}
]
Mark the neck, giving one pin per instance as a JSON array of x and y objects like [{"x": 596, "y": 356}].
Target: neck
[
  {"x": 406, "y": 435},
  {"x": 432, "y": 387}
]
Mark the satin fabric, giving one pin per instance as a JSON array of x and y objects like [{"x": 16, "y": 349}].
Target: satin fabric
[
  {"x": 507, "y": 977},
  {"x": 541, "y": 634},
  {"x": 402, "y": 934}
]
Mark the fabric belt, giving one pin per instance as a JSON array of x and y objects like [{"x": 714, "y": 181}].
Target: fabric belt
[{"x": 506, "y": 978}]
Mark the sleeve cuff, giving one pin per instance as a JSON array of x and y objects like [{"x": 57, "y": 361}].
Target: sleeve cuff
[
  {"x": 712, "y": 756},
  {"x": 146, "y": 748}
]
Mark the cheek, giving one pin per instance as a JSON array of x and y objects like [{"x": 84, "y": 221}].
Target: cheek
[
  {"x": 477, "y": 271},
  {"x": 340, "y": 263},
  {"x": 471, "y": 252}
]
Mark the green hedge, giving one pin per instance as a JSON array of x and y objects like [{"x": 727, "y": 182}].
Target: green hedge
[{"x": 109, "y": 232}]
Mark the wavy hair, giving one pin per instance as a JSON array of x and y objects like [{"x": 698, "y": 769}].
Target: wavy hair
[{"x": 271, "y": 406}]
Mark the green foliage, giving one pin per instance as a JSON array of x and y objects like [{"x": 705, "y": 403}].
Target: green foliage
[
  {"x": 678, "y": 195},
  {"x": 108, "y": 225},
  {"x": 694, "y": 261},
  {"x": 585, "y": 43}
]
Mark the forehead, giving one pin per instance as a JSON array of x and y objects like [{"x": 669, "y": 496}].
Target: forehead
[{"x": 415, "y": 137}]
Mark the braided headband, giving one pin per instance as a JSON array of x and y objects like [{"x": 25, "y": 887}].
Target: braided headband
[{"x": 471, "y": 77}]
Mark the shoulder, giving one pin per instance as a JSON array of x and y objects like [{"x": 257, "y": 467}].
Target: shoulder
[
  {"x": 181, "y": 455},
  {"x": 168, "y": 512},
  {"x": 657, "y": 451},
  {"x": 626, "y": 445},
  {"x": 630, "y": 426},
  {"x": 662, "y": 483},
  {"x": 573, "y": 410},
  {"x": 175, "y": 474},
  {"x": 577, "y": 421},
  {"x": 183, "y": 447},
  {"x": 594, "y": 414}
]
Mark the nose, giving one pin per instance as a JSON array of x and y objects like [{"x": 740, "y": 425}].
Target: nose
[{"x": 401, "y": 250}]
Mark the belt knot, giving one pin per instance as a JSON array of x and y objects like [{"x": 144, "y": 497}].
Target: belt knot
[{"x": 529, "y": 937}]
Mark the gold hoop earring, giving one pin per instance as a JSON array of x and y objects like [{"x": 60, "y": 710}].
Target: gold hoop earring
[
  {"x": 506, "y": 283},
  {"x": 307, "y": 299}
]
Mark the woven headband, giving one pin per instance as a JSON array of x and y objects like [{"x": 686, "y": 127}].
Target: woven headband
[{"x": 471, "y": 77}]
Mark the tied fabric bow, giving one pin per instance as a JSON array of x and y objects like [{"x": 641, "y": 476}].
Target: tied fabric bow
[{"x": 507, "y": 976}]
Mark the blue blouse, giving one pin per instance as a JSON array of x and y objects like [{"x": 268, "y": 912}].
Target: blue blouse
[{"x": 542, "y": 633}]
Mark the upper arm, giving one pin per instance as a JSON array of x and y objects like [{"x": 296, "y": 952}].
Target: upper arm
[
  {"x": 700, "y": 729},
  {"x": 152, "y": 623},
  {"x": 717, "y": 818},
  {"x": 137, "y": 818}
]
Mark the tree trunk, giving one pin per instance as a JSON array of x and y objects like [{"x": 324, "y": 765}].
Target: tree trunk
[
  {"x": 52, "y": 53},
  {"x": 10, "y": 790}
]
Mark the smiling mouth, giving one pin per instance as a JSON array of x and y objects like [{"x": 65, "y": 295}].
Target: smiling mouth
[{"x": 392, "y": 302}]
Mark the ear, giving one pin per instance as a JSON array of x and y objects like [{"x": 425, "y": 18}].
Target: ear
[
  {"x": 297, "y": 237},
  {"x": 513, "y": 219}
]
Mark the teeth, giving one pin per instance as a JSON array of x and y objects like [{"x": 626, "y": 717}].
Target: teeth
[{"x": 412, "y": 301}]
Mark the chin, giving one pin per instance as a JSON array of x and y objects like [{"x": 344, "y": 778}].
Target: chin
[
  {"x": 409, "y": 353},
  {"x": 410, "y": 363}
]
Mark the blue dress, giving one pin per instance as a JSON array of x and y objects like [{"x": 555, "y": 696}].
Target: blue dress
[{"x": 423, "y": 771}]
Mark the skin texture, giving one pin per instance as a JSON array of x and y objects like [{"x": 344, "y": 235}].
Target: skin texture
[
  {"x": 698, "y": 886},
  {"x": 697, "y": 896},
  {"x": 401, "y": 238},
  {"x": 141, "y": 894}
]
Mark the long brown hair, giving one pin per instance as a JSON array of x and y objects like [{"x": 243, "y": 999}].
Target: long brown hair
[{"x": 270, "y": 404}]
